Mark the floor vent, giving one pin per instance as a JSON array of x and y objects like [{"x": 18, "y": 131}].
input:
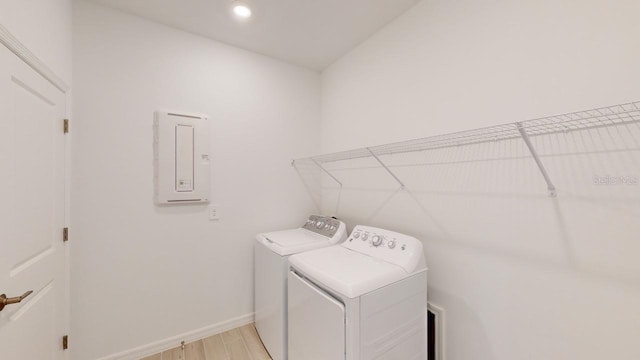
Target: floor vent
[{"x": 435, "y": 330}]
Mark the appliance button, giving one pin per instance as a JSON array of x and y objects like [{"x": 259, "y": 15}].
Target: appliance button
[
  {"x": 365, "y": 237},
  {"x": 391, "y": 244},
  {"x": 376, "y": 240},
  {"x": 356, "y": 235}
]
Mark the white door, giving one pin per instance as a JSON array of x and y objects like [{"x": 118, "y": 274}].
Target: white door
[
  {"x": 32, "y": 213},
  {"x": 316, "y": 322}
]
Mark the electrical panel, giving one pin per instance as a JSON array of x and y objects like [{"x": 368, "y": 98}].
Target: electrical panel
[{"x": 181, "y": 158}]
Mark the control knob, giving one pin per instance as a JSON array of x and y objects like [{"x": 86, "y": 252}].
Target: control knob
[
  {"x": 376, "y": 240},
  {"x": 319, "y": 224},
  {"x": 391, "y": 244}
]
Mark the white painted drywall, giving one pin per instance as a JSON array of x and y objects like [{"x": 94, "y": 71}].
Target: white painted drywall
[
  {"x": 44, "y": 27},
  {"x": 143, "y": 273},
  {"x": 520, "y": 275}
]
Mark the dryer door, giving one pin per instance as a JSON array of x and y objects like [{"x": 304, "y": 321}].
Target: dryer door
[{"x": 316, "y": 322}]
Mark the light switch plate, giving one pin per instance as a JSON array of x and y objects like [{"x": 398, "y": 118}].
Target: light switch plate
[{"x": 213, "y": 213}]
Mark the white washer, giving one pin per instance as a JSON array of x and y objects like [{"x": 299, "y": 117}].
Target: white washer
[
  {"x": 272, "y": 251},
  {"x": 364, "y": 299}
]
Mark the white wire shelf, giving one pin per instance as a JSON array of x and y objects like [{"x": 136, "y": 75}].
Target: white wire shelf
[{"x": 622, "y": 116}]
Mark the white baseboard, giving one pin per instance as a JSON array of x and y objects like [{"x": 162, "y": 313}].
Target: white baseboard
[{"x": 169, "y": 343}]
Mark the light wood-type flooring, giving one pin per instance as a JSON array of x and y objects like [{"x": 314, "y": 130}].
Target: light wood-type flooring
[{"x": 240, "y": 343}]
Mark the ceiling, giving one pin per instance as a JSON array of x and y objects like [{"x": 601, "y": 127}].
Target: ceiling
[{"x": 310, "y": 33}]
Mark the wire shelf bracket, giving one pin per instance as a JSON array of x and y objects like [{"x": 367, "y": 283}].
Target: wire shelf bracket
[
  {"x": 326, "y": 171},
  {"x": 550, "y": 187},
  {"x": 386, "y": 168}
]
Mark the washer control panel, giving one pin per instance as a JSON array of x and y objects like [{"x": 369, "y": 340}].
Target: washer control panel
[
  {"x": 386, "y": 245},
  {"x": 323, "y": 225}
]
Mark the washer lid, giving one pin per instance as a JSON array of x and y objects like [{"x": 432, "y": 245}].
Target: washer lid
[
  {"x": 287, "y": 242},
  {"x": 345, "y": 271}
]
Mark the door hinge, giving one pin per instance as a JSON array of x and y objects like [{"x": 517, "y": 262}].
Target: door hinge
[
  {"x": 65, "y": 342},
  {"x": 65, "y": 234},
  {"x": 66, "y": 126}
]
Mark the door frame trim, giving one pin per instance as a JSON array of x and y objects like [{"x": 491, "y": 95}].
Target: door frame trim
[{"x": 15, "y": 46}]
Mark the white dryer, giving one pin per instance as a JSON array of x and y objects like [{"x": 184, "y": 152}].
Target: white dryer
[
  {"x": 361, "y": 300},
  {"x": 271, "y": 254}
]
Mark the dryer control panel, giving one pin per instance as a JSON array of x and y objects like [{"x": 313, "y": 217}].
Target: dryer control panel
[
  {"x": 323, "y": 225},
  {"x": 399, "y": 249}
]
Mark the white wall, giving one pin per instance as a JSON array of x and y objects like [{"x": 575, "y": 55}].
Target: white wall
[
  {"x": 44, "y": 27},
  {"x": 521, "y": 276},
  {"x": 143, "y": 273}
]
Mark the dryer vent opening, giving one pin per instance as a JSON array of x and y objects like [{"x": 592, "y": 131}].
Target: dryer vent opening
[{"x": 435, "y": 332}]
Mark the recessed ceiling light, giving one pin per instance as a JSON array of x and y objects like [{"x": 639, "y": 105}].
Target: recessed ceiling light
[{"x": 241, "y": 10}]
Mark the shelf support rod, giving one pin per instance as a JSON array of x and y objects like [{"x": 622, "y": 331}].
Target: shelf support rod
[
  {"x": 534, "y": 153},
  {"x": 385, "y": 167},
  {"x": 326, "y": 171}
]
